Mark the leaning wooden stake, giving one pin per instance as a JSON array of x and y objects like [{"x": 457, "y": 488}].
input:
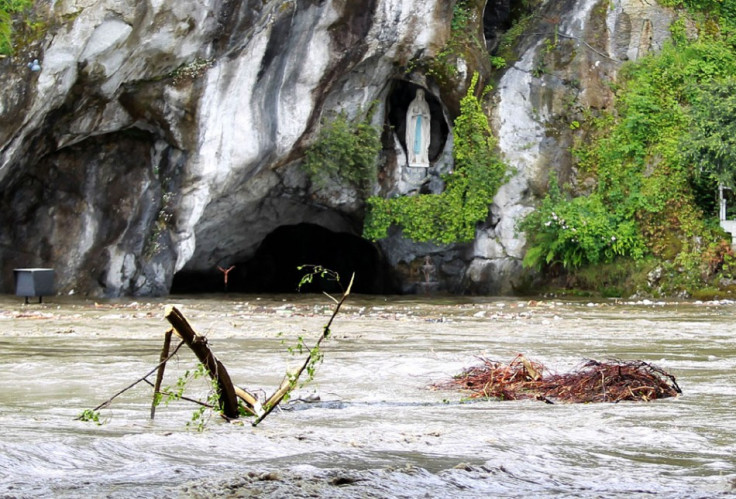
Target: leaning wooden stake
[
  {"x": 161, "y": 369},
  {"x": 290, "y": 380},
  {"x": 215, "y": 368}
]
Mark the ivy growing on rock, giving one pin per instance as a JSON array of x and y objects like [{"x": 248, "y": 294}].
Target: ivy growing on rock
[
  {"x": 711, "y": 144},
  {"x": 344, "y": 151},
  {"x": 451, "y": 216}
]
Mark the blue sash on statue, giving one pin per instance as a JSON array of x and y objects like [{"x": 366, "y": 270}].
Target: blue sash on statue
[{"x": 418, "y": 136}]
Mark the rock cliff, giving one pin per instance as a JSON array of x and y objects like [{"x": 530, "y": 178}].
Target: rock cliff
[{"x": 160, "y": 140}]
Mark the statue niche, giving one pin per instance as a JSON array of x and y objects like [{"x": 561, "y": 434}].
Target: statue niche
[{"x": 418, "y": 125}]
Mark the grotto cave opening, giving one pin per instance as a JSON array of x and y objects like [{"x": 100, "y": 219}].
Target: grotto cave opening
[{"x": 273, "y": 268}]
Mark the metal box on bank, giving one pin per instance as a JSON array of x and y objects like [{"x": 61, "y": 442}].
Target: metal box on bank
[{"x": 34, "y": 282}]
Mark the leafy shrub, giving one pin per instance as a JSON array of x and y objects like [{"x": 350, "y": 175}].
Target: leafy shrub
[
  {"x": 655, "y": 159},
  {"x": 578, "y": 232},
  {"x": 344, "y": 152},
  {"x": 711, "y": 145},
  {"x": 725, "y": 9}
]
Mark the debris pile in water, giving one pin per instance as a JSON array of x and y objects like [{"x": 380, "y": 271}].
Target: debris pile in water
[{"x": 611, "y": 381}]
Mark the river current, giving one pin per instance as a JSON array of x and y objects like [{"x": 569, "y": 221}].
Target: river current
[{"x": 369, "y": 424}]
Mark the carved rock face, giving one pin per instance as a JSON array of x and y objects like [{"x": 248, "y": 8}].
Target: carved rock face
[{"x": 166, "y": 137}]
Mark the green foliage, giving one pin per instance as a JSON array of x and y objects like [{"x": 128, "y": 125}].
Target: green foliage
[
  {"x": 9, "y": 8},
  {"x": 711, "y": 144},
  {"x": 316, "y": 356},
  {"x": 578, "y": 232},
  {"x": 202, "y": 415},
  {"x": 452, "y": 215},
  {"x": 619, "y": 278},
  {"x": 461, "y": 16},
  {"x": 511, "y": 37},
  {"x": 498, "y": 62},
  {"x": 89, "y": 415},
  {"x": 724, "y": 9},
  {"x": 463, "y": 38},
  {"x": 316, "y": 271},
  {"x": 344, "y": 152},
  {"x": 173, "y": 393},
  {"x": 656, "y": 160}
]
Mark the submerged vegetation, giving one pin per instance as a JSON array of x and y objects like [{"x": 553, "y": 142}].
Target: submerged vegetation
[{"x": 657, "y": 161}]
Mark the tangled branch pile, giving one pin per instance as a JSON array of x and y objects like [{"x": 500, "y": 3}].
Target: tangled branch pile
[{"x": 594, "y": 381}]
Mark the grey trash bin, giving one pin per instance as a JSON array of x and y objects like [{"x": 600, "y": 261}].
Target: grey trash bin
[{"x": 34, "y": 282}]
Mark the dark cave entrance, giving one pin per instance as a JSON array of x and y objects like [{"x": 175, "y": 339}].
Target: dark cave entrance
[{"x": 274, "y": 266}]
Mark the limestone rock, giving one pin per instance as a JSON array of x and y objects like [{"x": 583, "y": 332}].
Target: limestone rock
[{"x": 166, "y": 138}]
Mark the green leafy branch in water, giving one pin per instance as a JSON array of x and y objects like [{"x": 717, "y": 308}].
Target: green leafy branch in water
[
  {"x": 222, "y": 397},
  {"x": 213, "y": 405},
  {"x": 177, "y": 391},
  {"x": 315, "y": 357},
  {"x": 203, "y": 414},
  {"x": 93, "y": 415},
  {"x": 89, "y": 415},
  {"x": 200, "y": 417}
]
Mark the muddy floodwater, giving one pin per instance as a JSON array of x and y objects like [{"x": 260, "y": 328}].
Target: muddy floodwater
[{"x": 369, "y": 425}]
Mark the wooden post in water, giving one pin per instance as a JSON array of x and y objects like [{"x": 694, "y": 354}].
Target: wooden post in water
[
  {"x": 161, "y": 368},
  {"x": 215, "y": 368}
]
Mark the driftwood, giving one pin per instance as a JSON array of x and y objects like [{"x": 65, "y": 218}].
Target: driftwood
[
  {"x": 215, "y": 368},
  {"x": 227, "y": 393},
  {"x": 611, "y": 381}
]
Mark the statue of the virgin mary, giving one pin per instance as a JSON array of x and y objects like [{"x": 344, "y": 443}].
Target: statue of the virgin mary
[{"x": 417, "y": 131}]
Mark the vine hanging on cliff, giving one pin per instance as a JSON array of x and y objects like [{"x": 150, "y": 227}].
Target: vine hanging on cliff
[{"x": 452, "y": 215}]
